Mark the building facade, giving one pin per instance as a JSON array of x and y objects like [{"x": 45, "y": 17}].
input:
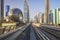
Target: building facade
[
  {"x": 59, "y": 16},
  {"x": 54, "y": 15},
  {"x": 50, "y": 17},
  {"x": 1, "y": 10},
  {"x": 40, "y": 18},
  {"x": 47, "y": 2},
  {"x": 16, "y": 13},
  {"x": 7, "y": 10},
  {"x": 26, "y": 11}
]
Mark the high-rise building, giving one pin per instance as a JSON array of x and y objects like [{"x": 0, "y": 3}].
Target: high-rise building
[
  {"x": 7, "y": 10},
  {"x": 1, "y": 10},
  {"x": 50, "y": 17},
  {"x": 36, "y": 19},
  {"x": 40, "y": 18},
  {"x": 26, "y": 11},
  {"x": 56, "y": 16},
  {"x": 47, "y": 11}
]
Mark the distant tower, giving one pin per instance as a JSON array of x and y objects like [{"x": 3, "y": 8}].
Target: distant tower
[
  {"x": 7, "y": 9},
  {"x": 47, "y": 10},
  {"x": 1, "y": 10},
  {"x": 26, "y": 11}
]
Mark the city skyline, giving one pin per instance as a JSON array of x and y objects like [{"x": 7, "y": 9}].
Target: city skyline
[{"x": 35, "y": 6}]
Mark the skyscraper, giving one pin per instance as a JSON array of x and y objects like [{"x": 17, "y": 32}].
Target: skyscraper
[
  {"x": 1, "y": 10},
  {"x": 7, "y": 10},
  {"x": 26, "y": 11},
  {"x": 50, "y": 17},
  {"x": 47, "y": 11},
  {"x": 56, "y": 16}
]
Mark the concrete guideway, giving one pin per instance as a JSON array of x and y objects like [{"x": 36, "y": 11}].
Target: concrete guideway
[
  {"x": 51, "y": 31},
  {"x": 28, "y": 32},
  {"x": 30, "y": 35},
  {"x": 42, "y": 35},
  {"x": 12, "y": 35},
  {"x": 46, "y": 34}
]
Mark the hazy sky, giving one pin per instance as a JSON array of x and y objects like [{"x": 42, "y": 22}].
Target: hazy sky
[{"x": 35, "y": 6}]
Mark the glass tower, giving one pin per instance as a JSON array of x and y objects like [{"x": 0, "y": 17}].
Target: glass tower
[
  {"x": 26, "y": 11},
  {"x": 7, "y": 9}
]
